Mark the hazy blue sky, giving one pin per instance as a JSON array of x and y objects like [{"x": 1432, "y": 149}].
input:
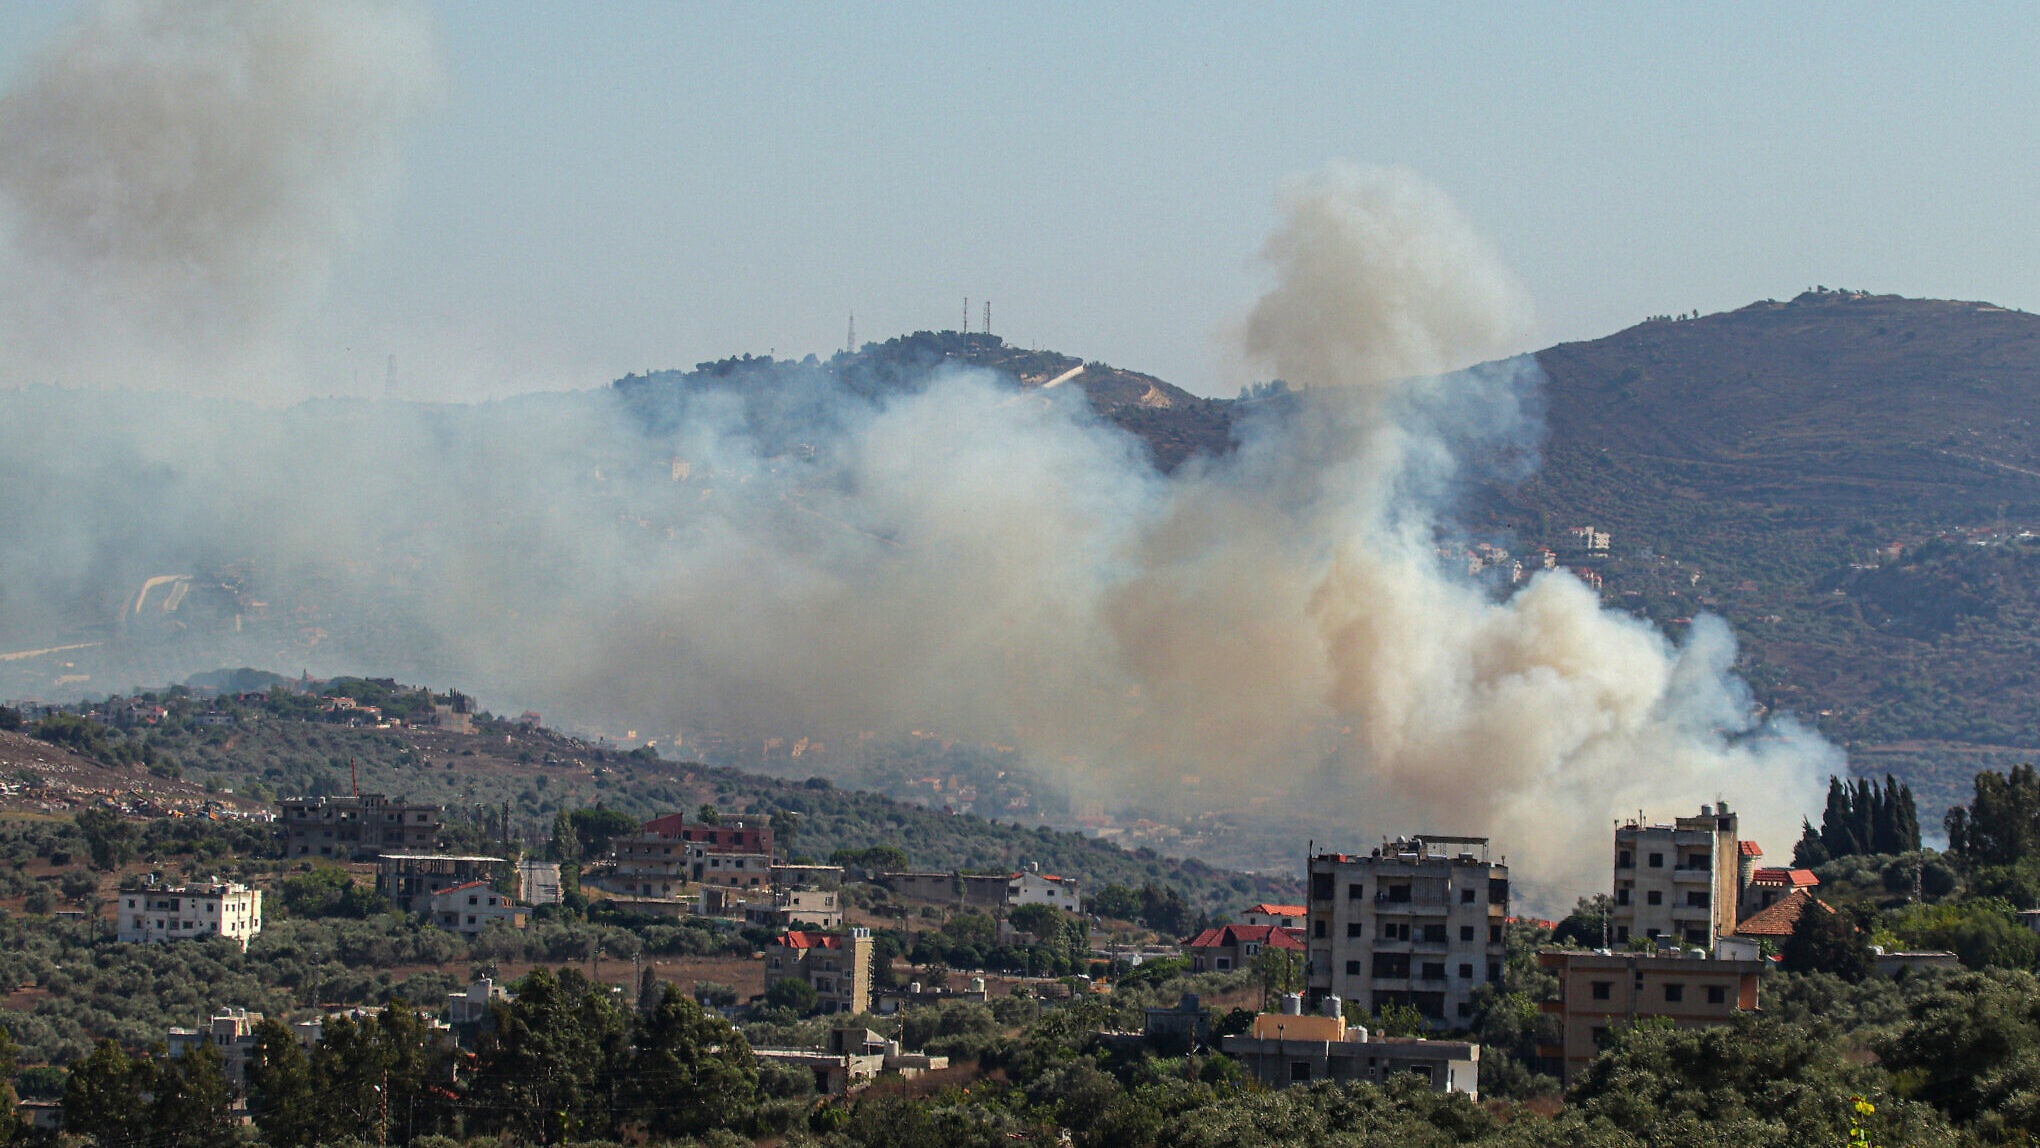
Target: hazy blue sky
[{"x": 605, "y": 188}]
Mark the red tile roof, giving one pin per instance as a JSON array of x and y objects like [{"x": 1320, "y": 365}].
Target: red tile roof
[
  {"x": 1277, "y": 910},
  {"x": 458, "y": 888},
  {"x": 1785, "y": 878},
  {"x": 1226, "y": 936},
  {"x": 1749, "y": 849},
  {"x": 800, "y": 940},
  {"x": 1781, "y": 918}
]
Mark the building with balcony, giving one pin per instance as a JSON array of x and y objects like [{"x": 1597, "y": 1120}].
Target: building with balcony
[
  {"x": 470, "y": 908},
  {"x": 836, "y": 965},
  {"x": 358, "y": 826},
  {"x": 730, "y": 834},
  {"x": 160, "y": 913},
  {"x": 1416, "y": 922},
  {"x": 1682, "y": 881},
  {"x": 736, "y": 870},
  {"x": 1598, "y": 991}
]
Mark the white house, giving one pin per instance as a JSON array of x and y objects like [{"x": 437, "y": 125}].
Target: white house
[
  {"x": 472, "y": 907},
  {"x": 176, "y": 912},
  {"x": 1041, "y": 889}
]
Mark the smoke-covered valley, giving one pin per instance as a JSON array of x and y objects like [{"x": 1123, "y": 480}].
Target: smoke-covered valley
[{"x": 1269, "y": 627}]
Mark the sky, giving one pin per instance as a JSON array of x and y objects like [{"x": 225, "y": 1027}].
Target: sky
[{"x": 597, "y": 190}]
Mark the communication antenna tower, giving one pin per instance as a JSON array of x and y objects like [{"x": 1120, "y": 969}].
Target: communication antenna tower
[
  {"x": 966, "y": 314},
  {"x": 988, "y": 316},
  {"x": 850, "y": 342}
]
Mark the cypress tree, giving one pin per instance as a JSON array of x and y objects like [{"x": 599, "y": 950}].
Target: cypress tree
[{"x": 1834, "y": 822}]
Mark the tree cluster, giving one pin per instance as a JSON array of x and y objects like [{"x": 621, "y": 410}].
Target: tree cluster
[{"x": 1861, "y": 818}]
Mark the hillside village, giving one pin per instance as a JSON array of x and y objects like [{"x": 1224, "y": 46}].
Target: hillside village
[{"x": 1402, "y": 961}]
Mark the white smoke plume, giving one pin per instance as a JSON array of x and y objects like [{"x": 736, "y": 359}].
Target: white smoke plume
[
  {"x": 177, "y": 178},
  {"x": 1274, "y": 625}
]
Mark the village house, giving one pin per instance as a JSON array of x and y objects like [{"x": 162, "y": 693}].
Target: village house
[
  {"x": 177, "y": 912},
  {"x": 836, "y": 965},
  {"x": 1030, "y": 888},
  {"x": 409, "y": 880},
  {"x": 817, "y": 909},
  {"x": 1599, "y": 990},
  {"x": 1769, "y": 886},
  {"x": 1291, "y": 1047},
  {"x": 1281, "y": 916},
  {"x": 357, "y": 826},
  {"x": 469, "y": 908},
  {"x": 1229, "y": 947}
]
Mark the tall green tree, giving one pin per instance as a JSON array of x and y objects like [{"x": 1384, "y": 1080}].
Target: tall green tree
[
  {"x": 546, "y": 1069},
  {"x": 1824, "y": 941},
  {"x": 282, "y": 1096},
  {"x": 189, "y": 1105},
  {"x": 110, "y": 839},
  {"x": 105, "y": 1096},
  {"x": 10, "y": 1121},
  {"x": 2001, "y": 824},
  {"x": 690, "y": 1072}
]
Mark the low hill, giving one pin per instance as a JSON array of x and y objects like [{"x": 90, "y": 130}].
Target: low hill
[{"x": 1850, "y": 479}]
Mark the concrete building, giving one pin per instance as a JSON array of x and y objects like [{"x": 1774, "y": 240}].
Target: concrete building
[
  {"x": 1281, "y": 916},
  {"x": 648, "y": 865},
  {"x": 178, "y": 912},
  {"x": 853, "y": 1057},
  {"x": 232, "y": 1031},
  {"x": 408, "y": 880},
  {"x": 836, "y": 965},
  {"x": 471, "y": 1005},
  {"x": 1416, "y": 922},
  {"x": 1597, "y": 991},
  {"x": 1229, "y": 947},
  {"x": 470, "y": 908},
  {"x": 1681, "y": 880},
  {"x": 974, "y": 890},
  {"x": 538, "y": 882},
  {"x": 731, "y": 834},
  {"x": 735, "y": 870},
  {"x": 359, "y": 826},
  {"x": 807, "y": 876},
  {"x": 1031, "y": 888},
  {"x": 811, "y": 909},
  {"x": 1292, "y": 1048}
]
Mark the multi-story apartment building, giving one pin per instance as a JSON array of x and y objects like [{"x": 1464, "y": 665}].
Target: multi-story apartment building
[
  {"x": 736, "y": 870},
  {"x": 471, "y": 908},
  {"x": 357, "y": 826},
  {"x": 649, "y": 865},
  {"x": 1680, "y": 881},
  {"x": 1415, "y": 922},
  {"x": 177, "y": 912},
  {"x": 837, "y": 965},
  {"x": 1597, "y": 991}
]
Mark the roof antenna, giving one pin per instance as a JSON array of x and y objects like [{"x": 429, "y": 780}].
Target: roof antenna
[{"x": 850, "y": 343}]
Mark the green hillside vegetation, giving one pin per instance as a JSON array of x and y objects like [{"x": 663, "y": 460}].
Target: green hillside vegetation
[{"x": 1761, "y": 463}]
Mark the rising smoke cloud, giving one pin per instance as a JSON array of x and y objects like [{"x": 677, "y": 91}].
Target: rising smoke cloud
[
  {"x": 177, "y": 179},
  {"x": 1273, "y": 625}
]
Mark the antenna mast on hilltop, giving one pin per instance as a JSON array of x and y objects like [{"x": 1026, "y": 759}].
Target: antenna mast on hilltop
[
  {"x": 988, "y": 316},
  {"x": 966, "y": 314},
  {"x": 850, "y": 341}
]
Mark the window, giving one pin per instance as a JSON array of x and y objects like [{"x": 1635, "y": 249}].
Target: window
[
  {"x": 1319, "y": 930},
  {"x": 1465, "y": 1008},
  {"x": 1717, "y": 994},
  {"x": 1654, "y": 897},
  {"x": 1434, "y": 970},
  {"x": 1696, "y": 936},
  {"x": 1391, "y": 964},
  {"x": 1622, "y": 895},
  {"x": 1399, "y": 894},
  {"x": 1466, "y": 932},
  {"x": 1353, "y": 929},
  {"x": 1494, "y": 934},
  {"x": 1434, "y": 934},
  {"x": 1674, "y": 992},
  {"x": 1622, "y": 934},
  {"x": 1600, "y": 1035},
  {"x": 1624, "y": 860},
  {"x": 1657, "y": 860},
  {"x": 1603, "y": 990},
  {"x": 1224, "y": 964},
  {"x": 1466, "y": 896},
  {"x": 1354, "y": 892},
  {"x": 1321, "y": 885},
  {"x": 1352, "y": 968},
  {"x": 1696, "y": 898},
  {"x": 1299, "y": 1071},
  {"x": 1466, "y": 972}
]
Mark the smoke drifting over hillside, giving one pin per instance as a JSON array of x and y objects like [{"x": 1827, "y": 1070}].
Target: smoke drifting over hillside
[
  {"x": 176, "y": 180},
  {"x": 961, "y": 556}
]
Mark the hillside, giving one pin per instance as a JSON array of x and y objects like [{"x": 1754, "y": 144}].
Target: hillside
[{"x": 1849, "y": 479}]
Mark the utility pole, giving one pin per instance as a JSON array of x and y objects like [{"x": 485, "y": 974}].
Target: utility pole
[{"x": 383, "y": 1136}]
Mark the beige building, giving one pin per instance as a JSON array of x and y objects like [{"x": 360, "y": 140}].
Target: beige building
[
  {"x": 1416, "y": 922},
  {"x": 1680, "y": 881},
  {"x": 1291, "y": 1048},
  {"x": 737, "y": 870},
  {"x": 1598, "y": 991},
  {"x": 179, "y": 912},
  {"x": 836, "y": 965},
  {"x": 232, "y": 1031},
  {"x": 815, "y": 909},
  {"x": 470, "y": 908},
  {"x": 649, "y": 865},
  {"x": 409, "y": 880}
]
